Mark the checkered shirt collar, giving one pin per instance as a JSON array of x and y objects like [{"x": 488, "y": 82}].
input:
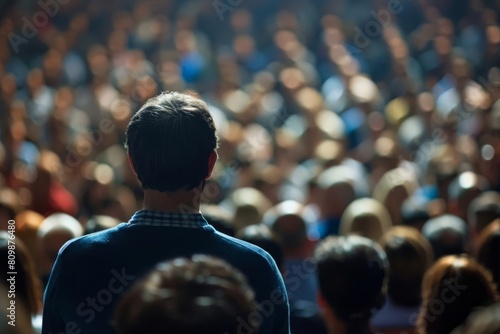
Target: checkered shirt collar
[{"x": 168, "y": 219}]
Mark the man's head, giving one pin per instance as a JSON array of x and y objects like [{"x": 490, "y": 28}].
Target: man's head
[
  {"x": 366, "y": 217},
  {"x": 286, "y": 220},
  {"x": 447, "y": 235},
  {"x": 409, "y": 255},
  {"x": 198, "y": 295},
  {"x": 171, "y": 142},
  {"x": 352, "y": 273}
]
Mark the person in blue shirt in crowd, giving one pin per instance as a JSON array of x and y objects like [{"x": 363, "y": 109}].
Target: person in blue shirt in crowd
[{"x": 171, "y": 144}]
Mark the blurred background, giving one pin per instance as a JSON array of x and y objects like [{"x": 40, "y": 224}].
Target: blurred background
[{"x": 295, "y": 88}]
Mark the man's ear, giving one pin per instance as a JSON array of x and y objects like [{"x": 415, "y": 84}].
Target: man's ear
[
  {"x": 212, "y": 159},
  {"x": 131, "y": 163}
]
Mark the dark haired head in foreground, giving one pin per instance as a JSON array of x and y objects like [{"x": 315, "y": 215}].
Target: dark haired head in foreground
[
  {"x": 352, "y": 272},
  {"x": 171, "y": 143},
  {"x": 453, "y": 288},
  {"x": 187, "y": 296},
  {"x": 409, "y": 255}
]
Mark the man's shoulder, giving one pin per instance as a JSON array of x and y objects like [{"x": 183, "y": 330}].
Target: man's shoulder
[
  {"x": 245, "y": 250},
  {"x": 91, "y": 241}
]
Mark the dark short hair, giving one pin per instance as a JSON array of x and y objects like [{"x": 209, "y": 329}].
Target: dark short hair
[
  {"x": 352, "y": 273},
  {"x": 170, "y": 140},
  {"x": 183, "y": 296},
  {"x": 409, "y": 255},
  {"x": 447, "y": 234}
]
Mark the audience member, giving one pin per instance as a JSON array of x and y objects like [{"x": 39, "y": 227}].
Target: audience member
[
  {"x": 352, "y": 273},
  {"x": 463, "y": 190},
  {"x": 184, "y": 296},
  {"x": 366, "y": 217},
  {"x": 452, "y": 289},
  {"x": 286, "y": 220},
  {"x": 27, "y": 224},
  {"x": 313, "y": 101},
  {"x": 488, "y": 248},
  {"x": 393, "y": 189},
  {"x": 415, "y": 212},
  {"x": 447, "y": 235},
  {"x": 335, "y": 192},
  {"x": 484, "y": 209},
  {"x": 55, "y": 230},
  {"x": 173, "y": 166},
  {"x": 409, "y": 255}
]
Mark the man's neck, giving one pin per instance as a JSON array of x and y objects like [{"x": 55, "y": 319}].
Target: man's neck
[{"x": 184, "y": 201}]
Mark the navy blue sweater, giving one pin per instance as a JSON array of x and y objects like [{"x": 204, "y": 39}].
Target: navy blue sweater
[{"x": 92, "y": 272}]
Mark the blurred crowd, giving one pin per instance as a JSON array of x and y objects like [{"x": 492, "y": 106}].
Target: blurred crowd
[{"x": 379, "y": 118}]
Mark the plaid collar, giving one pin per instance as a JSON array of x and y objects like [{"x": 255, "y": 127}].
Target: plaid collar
[{"x": 168, "y": 219}]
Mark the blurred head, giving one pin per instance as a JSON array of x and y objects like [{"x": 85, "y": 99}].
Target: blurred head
[
  {"x": 484, "y": 209},
  {"x": 352, "y": 272},
  {"x": 27, "y": 225},
  {"x": 409, "y": 255},
  {"x": 171, "y": 143},
  {"x": 453, "y": 287},
  {"x": 488, "y": 250},
  {"x": 184, "y": 296},
  {"x": 442, "y": 168},
  {"x": 53, "y": 233},
  {"x": 462, "y": 190},
  {"x": 447, "y": 235},
  {"x": 393, "y": 189},
  {"x": 336, "y": 191},
  {"x": 414, "y": 212},
  {"x": 27, "y": 285},
  {"x": 286, "y": 221},
  {"x": 366, "y": 217},
  {"x": 249, "y": 205}
]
